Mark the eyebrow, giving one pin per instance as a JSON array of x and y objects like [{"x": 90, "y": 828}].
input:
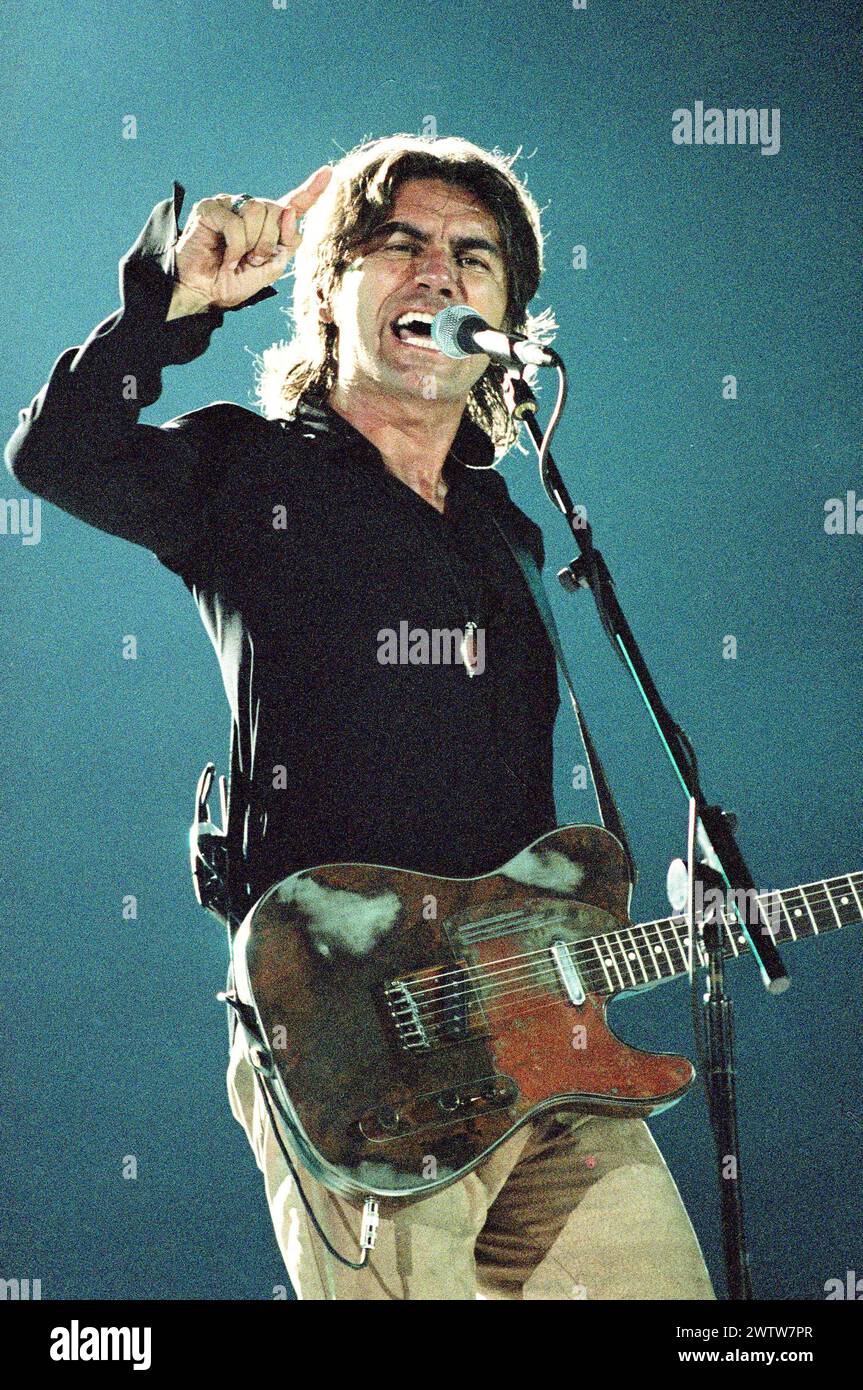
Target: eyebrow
[{"x": 462, "y": 243}]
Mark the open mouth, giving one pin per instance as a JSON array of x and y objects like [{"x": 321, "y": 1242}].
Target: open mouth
[{"x": 414, "y": 330}]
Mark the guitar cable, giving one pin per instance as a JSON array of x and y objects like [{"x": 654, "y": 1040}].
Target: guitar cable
[{"x": 371, "y": 1218}]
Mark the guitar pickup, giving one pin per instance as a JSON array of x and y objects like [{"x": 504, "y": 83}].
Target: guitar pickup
[{"x": 567, "y": 973}]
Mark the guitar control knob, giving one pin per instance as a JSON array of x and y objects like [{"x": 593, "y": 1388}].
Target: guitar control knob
[
  {"x": 448, "y": 1101},
  {"x": 388, "y": 1118}
]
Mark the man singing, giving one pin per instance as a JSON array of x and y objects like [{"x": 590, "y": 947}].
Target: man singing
[{"x": 359, "y": 499}]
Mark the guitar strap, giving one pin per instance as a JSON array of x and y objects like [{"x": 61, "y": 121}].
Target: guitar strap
[{"x": 608, "y": 813}]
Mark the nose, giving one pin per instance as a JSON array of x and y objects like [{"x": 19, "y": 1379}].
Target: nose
[{"x": 434, "y": 272}]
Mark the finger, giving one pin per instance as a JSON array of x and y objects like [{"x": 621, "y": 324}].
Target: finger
[
  {"x": 289, "y": 232},
  {"x": 253, "y": 215},
  {"x": 241, "y": 229},
  {"x": 215, "y": 213},
  {"x": 268, "y": 238},
  {"x": 302, "y": 198}
]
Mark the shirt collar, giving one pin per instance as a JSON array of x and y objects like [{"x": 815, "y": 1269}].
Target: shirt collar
[{"x": 471, "y": 448}]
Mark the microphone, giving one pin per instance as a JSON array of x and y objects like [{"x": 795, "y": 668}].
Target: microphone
[{"x": 460, "y": 331}]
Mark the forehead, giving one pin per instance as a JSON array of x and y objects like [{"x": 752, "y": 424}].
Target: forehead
[{"x": 439, "y": 206}]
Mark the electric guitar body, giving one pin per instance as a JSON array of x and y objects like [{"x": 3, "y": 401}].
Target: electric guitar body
[{"x": 413, "y": 1023}]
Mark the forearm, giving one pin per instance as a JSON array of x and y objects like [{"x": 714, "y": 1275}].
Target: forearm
[
  {"x": 79, "y": 443},
  {"x": 89, "y": 408}
]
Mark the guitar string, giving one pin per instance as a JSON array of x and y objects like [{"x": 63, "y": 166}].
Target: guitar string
[
  {"x": 492, "y": 1001},
  {"x": 486, "y": 986},
  {"x": 519, "y": 1013},
  {"x": 526, "y": 991},
  {"x": 483, "y": 994},
  {"x": 469, "y": 932},
  {"x": 513, "y": 1001},
  {"x": 668, "y": 928},
  {"x": 518, "y": 980},
  {"x": 525, "y": 1004},
  {"x": 586, "y": 947},
  {"x": 821, "y": 903},
  {"x": 475, "y": 975},
  {"x": 515, "y": 1006},
  {"x": 441, "y": 1008},
  {"x": 486, "y": 982}
]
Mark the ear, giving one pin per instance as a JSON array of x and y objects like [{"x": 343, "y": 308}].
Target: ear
[{"x": 324, "y": 311}]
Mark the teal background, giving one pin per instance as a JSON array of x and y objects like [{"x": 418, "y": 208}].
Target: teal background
[{"x": 701, "y": 262}]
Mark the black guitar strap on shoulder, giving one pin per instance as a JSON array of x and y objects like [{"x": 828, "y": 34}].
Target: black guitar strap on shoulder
[{"x": 608, "y": 812}]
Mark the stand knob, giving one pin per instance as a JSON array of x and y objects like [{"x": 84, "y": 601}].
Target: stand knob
[{"x": 574, "y": 576}]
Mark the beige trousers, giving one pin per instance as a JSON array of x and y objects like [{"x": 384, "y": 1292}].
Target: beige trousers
[{"x": 571, "y": 1207}]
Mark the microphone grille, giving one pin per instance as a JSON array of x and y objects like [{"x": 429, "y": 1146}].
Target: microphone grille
[{"x": 446, "y": 329}]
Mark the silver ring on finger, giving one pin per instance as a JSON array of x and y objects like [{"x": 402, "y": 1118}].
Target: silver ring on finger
[{"x": 237, "y": 203}]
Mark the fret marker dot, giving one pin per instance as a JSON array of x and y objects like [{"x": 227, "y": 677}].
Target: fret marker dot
[
  {"x": 798, "y": 912},
  {"x": 844, "y": 902}
]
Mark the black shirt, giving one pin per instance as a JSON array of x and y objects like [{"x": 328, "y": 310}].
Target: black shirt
[{"x": 301, "y": 550}]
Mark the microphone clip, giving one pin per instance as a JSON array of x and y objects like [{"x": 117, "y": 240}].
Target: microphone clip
[{"x": 518, "y": 397}]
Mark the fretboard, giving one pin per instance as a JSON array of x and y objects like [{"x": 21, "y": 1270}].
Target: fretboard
[{"x": 648, "y": 952}]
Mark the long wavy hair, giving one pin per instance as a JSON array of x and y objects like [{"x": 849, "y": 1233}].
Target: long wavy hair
[{"x": 358, "y": 200}]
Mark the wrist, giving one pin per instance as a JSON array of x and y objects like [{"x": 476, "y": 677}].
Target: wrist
[{"x": 185, "y": 301}]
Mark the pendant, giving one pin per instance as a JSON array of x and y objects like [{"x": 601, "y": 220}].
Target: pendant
[{"x": 469, "y": 654}]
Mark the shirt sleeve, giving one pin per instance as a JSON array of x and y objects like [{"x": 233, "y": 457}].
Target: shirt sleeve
[{"x": 79, "y": 443}]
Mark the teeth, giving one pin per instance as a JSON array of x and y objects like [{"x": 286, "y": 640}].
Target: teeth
[{"x": 412, "y": 317}]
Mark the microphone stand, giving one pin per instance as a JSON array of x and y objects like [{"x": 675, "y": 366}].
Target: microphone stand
[
  {"x": 716, "y": 833},
  {"x": 716, "y": 1059}
]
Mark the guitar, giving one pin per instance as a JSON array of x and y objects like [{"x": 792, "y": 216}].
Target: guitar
[{"x": 407, "y": 1024}]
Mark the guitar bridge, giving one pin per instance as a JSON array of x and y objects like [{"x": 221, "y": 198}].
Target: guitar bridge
[
  {"x": 406, "y": 1016},
  {"x": 435, "y": 1007}
]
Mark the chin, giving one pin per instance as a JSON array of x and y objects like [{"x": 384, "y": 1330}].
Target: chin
[{"x": 449, "y": 385}]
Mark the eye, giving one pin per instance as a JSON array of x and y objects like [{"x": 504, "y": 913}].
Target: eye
[{"x": 465, "y": 258}]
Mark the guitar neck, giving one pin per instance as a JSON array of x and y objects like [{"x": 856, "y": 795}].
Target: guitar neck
[{"x": 649, "y": 952}]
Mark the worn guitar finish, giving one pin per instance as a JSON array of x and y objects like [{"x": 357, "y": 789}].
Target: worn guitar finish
[{"x": 413, "y": 1023}]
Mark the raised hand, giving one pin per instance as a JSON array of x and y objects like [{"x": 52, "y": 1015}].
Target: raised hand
[{"x": 224, "y": 257}]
